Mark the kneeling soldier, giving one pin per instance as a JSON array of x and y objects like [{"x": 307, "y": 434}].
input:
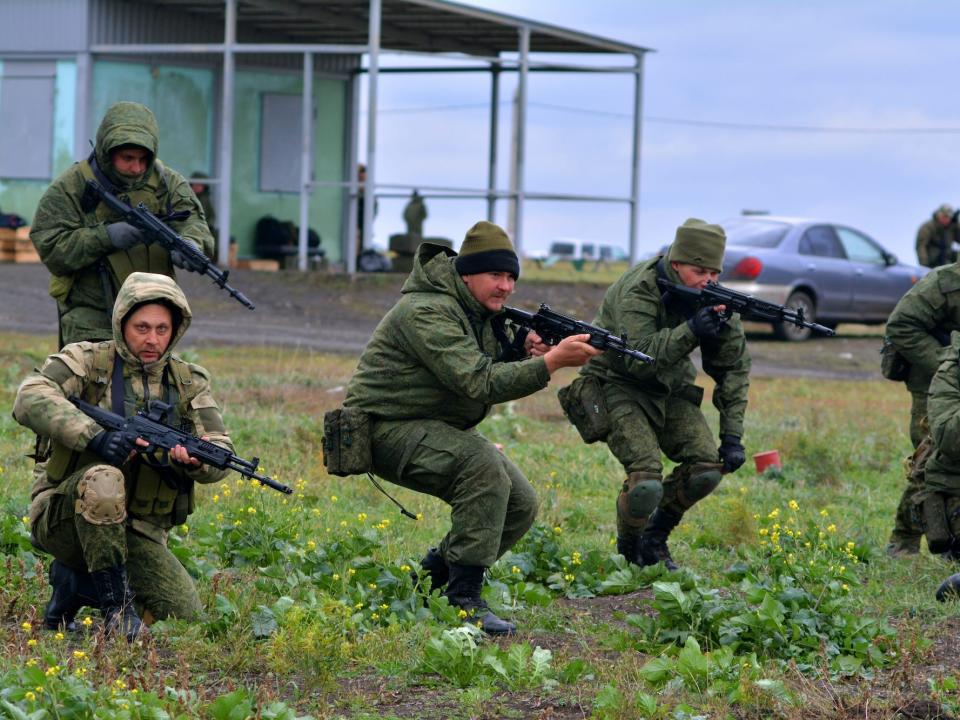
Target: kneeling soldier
[
  {"x": 656, "y": 408},
  {"x": 101, "y": 509}
]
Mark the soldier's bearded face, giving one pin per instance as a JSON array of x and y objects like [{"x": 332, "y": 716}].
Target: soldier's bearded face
[
  {"x": 148, "y": 331},
  {"x": 694, "y": 276},
  {"x": 130, "y": 161},
  {"x": 491, "y": 289}
]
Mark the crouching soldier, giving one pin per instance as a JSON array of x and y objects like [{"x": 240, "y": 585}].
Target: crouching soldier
[
  {"x": 430, "y": 373},
  {"x": 648, "y": 409},
  {"x": 102, "y": 509}
]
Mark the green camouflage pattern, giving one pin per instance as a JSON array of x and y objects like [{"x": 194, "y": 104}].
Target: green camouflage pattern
[
  {"x": 428, "y": 375},
  {"x": 942, "y": 472},
  {"x": 434, "y": 354},
  {"x": 72, "y": 242},
  {"x": 935, "y": 241},
  {"x": 83, "y": 369},
  {"x": 930, "y": 307},
  {"x": 633, "y": 306}
]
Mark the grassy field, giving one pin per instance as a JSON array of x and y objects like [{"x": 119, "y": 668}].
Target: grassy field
[{"x": 787, "y": 606}]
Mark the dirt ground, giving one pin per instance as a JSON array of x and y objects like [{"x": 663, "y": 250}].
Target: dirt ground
[{"x": 334, "y": 313}]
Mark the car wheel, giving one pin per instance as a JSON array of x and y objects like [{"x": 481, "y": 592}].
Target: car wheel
[{"x": 789, "y": 331}]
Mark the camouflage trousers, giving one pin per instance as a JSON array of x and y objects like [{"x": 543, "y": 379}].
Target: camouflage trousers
[
  {"x": 637, "y": 442},
  {"x": 908, "y": 522},
  {"x": 918, "y": 417},
  {"x": 491, "y": 503},
  {"x": 160, "y": 584}
]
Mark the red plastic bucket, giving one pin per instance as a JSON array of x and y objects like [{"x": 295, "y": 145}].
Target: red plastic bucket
[{"x": 763, "y": 460}]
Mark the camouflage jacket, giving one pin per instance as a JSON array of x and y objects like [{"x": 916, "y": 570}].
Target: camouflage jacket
[
  {"x": 634, "y": 306},
  {"x": 84, "y": 369},
  {"x": 69, "y": 227},
  {"x": 922, "y": 321},
  {"x": 435, "y": 353},
  {"x": 942, "y": 472},
  {"x": 936, "y": 243}
]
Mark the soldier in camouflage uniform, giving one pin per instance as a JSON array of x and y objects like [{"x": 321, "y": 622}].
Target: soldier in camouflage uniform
[
  {"x": 100, "y": 509},
  {"x": 918, "y": 328},
  {"x": 938, "y": 238},
  {"x": 655, "y": 408},
  {"x": 88, "y": 252},
  {"x": 430, "y": 373}
]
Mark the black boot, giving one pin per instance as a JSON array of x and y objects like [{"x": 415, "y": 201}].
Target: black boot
[
  {"x": 628, "y": 545},
  {"x": 72, "y": 590},
  {"x": 116, "y": 601},
  {"x": 434, "y": 567},
  {"x": 466, "y": 582},
  {"x": 653, "y": 542}
]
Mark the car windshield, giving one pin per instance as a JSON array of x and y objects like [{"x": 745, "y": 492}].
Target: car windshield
[{"x": 755, "y": 233}]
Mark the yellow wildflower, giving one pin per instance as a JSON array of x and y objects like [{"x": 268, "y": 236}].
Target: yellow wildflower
[{"x": 793, "y": 505}]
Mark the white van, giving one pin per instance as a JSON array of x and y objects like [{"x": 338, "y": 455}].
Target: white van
[{"x": 576, "y": 249}]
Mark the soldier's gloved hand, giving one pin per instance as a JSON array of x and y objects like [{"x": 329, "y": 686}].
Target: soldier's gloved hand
[
  {"x": 123, "y": 236},
  {"x": 112, "y": 446},
  {"x": 182, "y": 261},
  {"x": 732, "y": 453},
  {"x": 706, "y": 323}
]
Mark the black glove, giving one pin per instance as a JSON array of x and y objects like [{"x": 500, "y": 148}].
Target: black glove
[
  {"x": 732, "y": 453},
  {"x": 112, "y": 446},
  {"x": 706, "y": 323},
  {"x": 183, "y": 261},
  {"x": 123, "y": 236}
]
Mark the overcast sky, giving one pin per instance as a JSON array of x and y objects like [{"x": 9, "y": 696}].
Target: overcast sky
[{"x": 850, "y": 66}]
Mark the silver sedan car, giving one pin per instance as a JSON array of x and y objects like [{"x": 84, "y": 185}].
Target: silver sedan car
[{"x": 835, "y": 273}]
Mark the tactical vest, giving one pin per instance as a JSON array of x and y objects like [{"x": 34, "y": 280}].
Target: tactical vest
[
  {"x": 118, "y": 265},
  {"x": 151, "y": 487}
]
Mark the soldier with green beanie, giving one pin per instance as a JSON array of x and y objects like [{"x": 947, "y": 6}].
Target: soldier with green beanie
[
  {"x": 654, "y": 409},
  {"x": 433, "y": 368},
  {"x": 918, "y": 328},
  {"x": 102, "y": 510},
  {"x": 86, "y": 247}
]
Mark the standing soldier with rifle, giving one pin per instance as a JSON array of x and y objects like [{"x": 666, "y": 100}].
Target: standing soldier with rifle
[
  {"x": 918, "y": 328},
  {"x": 641, "y": 409},
  {"x": 106, "y": 501},
  {"x": 86, "y": 246},
  {"x": 434, "y": 367}
]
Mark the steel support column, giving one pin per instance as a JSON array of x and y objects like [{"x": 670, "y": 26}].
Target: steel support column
[
  {"x": 306, "y": 159},
  {"x": 370, "y": 186},
  {"x": 81, "y": 115},
  {"x": 521, "y": 132},
  {"x": 348, "y": 233},
  {"x": 635, "y": 161},
  {"x": 225, "y": 171},
  {"x": 494, "y": 140}
]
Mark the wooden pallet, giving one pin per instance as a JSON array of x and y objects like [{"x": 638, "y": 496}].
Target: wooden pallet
[{"x": 15, "y": 246}]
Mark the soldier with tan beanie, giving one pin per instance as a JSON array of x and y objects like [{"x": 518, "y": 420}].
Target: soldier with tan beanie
[{"x": 655, "y": 409}]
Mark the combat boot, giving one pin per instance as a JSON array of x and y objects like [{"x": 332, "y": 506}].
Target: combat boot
[
  {"x": 628, "y": 545},
  {"x": 466, "y": 582},
  {"x": 434, "y": 567},
  {"x": 116, "y": 602},
  {"x": 949, "y": 589},
  {"x": 71, "y": 590},
  {"x": 653, "y": 542}
]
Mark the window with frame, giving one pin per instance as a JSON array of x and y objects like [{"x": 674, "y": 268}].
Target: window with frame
[
  {"x": 860, "y": 248},
  {"x": 821, "y": 241},
  {"x": 26, "y": 119},
  {"x": 281, "y": 123}
]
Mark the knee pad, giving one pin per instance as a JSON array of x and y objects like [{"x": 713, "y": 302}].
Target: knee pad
[
  {"x": 101, "y": 497},
  {"x": 639, "y": 497},
  {"x": 698, "y": 481}
]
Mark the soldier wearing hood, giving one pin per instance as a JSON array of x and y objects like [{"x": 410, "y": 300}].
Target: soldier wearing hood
[
  {"x": 654, "y": 409},
  {"x": 431, "y": 372},
  {"x": 88, "y": 252},
  {"x": 102, "y": 510}
]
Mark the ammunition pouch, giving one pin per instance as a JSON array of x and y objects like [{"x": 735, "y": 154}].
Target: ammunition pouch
[
  {"x": 583, "y": 404},
  {"x": 346, "y": 442},
  {"x": 941, "y": 518},
  {"x": 893, "y": 366}
]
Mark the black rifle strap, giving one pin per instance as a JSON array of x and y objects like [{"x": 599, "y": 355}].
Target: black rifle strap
[
  {"x": 116, "y": 386},
  {"x": 509, "y": 351},
  {"x": 378, "y": 486}
]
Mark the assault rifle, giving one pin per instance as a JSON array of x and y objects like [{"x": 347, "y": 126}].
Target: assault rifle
[
  {"x": 553, "y": 327},
  {"x": 747, "y": 306},
  {"x": 155, "y": 230},
  {"x": 150, "y": 425}
]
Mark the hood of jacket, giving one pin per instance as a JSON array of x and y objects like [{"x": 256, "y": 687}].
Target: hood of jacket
[
  {"x": 141, "y": 287},
  {"x": 127, "y": 123},
  {"x": 433, "y": 272}
]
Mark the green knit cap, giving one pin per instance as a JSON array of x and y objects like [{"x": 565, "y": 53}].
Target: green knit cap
[
  {"x": 699, "y": 243},
  {"x": 486, "y": 248}
]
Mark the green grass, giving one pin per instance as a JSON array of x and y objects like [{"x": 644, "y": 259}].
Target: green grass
[{"x": 310, "y": 609}]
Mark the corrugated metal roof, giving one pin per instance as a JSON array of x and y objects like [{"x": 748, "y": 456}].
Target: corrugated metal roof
[{"x": 415, "y": 25}]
